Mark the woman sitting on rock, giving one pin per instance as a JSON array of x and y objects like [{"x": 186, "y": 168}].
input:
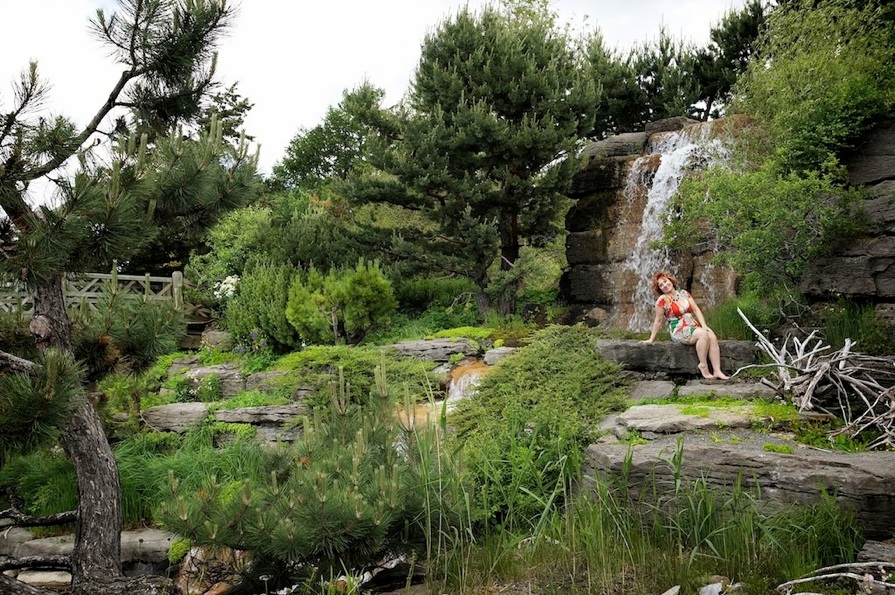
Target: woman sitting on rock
[{"x": 686, "y": 324}]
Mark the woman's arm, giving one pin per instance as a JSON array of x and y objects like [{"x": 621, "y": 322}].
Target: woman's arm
[{"x": 657, "y": 324}]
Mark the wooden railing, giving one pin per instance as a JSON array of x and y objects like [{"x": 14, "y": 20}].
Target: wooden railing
[{"x": 86, "y": 289}]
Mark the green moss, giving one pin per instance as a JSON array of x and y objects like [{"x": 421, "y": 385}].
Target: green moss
[
  {"x": 239, "y": 430},
  {"x": 251, "y": 398},
  {"x": 179, "y": 548},
  {"x": 778, "y": 448}
]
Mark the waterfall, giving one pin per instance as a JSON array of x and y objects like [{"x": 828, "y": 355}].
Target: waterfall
[{"x": 679, "y": 151}]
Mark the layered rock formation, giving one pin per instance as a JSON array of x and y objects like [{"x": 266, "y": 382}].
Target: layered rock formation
[
  {"x": 864, "y": 268},
  {"x": 622, "y": 190}
]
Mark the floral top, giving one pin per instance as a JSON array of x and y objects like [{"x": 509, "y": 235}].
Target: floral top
[{"x": 681, "y": 323}]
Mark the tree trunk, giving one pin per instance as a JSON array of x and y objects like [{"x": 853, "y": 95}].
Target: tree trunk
[
  {"x": 509, "y": 254},
  {"x": 96, "y": 557}
]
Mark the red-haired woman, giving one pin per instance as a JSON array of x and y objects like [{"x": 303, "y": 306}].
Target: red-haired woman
[{"x": 686, "y": 324}]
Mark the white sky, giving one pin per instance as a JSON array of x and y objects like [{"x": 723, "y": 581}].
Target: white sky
[{"x": 293, "y": 58}]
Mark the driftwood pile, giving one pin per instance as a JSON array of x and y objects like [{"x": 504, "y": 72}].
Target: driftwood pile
[{"x": 857, "y": 388}]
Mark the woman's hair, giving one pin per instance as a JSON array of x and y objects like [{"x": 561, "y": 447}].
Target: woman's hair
[{"x": 658, "y": 276}]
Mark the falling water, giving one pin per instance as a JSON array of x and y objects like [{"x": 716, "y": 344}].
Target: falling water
[{"x": 680, "y": 151}]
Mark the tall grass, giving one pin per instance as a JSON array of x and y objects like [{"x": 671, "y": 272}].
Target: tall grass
[{"x": 606, "y": 541}]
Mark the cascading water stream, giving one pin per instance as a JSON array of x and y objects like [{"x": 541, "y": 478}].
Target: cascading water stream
[{"x": 679, "y": 152}]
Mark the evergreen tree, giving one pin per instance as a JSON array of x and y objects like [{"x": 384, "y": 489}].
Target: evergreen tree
[
  {"x": 330, "y": 150},
  {"x": 105, "y": 211},
  {"x": 726, "y": 57},
  {"x": 475, "y": 156}
]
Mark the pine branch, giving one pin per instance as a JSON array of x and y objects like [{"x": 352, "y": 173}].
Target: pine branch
[
  {"x": 55, "y": 562},
  {"x": 10, "y": 363}
]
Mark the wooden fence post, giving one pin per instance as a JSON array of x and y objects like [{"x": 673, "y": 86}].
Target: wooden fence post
[
  {"x": 147, "y": 293},
  {"x": 177, "y": 289}
]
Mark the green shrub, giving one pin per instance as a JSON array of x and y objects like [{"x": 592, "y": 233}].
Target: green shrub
[
  {"x": 766, "y": 226},
  {"x": 727, "y": 323},
  {"x": 343, "y": 305},
  {"x": 319, "y": 366},
  {"x": 354, "y": 488},
  {"x": 847, "y": 319},
  {"x": 523, "y": 431},
  {"x": 821, "y": 72},
  {"x": 419, "y": 294},
  {"x": 257, "y": 313}
]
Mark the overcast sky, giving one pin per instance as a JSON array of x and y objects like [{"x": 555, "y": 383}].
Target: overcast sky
[{"x": 293, "y": 58}]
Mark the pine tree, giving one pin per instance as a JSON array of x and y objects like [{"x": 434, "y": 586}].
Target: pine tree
[
  {"x": 475, "y": 156},
  {"x": 106, "y": 210}
]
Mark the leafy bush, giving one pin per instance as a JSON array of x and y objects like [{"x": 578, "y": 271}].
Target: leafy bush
[
  {"x": 821, "y": 73},
  {"x": 319, "y": 367},
  {"x": 345, "y": 304},
  {"x": 125, "y": 332},
  {"x": 767, "y": 227},
  {"x": 259, "y": 307},
  {"x": 727, "y": 323},
  {"x": 419, "y": 294},
  {"x": 524, "y": 429}
]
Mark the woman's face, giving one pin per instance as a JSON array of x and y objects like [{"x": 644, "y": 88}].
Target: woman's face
[{"x": 665, "y": 285}]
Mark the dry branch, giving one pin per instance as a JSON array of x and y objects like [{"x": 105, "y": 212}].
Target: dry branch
[{"x": 860, "y": 387}]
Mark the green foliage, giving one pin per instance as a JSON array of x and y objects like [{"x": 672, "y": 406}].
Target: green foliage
[
  {"x": 125, "y": 332},
  {"x": 330, "y": 150},
  {"x": 320, "y": 366},
  {"x": 14, "y": 333},
  {"x": 417, "y": 295},
  {"x": 404, "y": 328},
  {"x": 258, "y": 311},
  {"x": 847, "y": 319},
  {"x": 727, "y": 323},
  {"x": 35, "y": 405},
  {"x": 178, "y": 549},
  {"x": 785, "y": 449},
  {"x": 344, "y": 304},
  {"x": 497, "y": 97},
  {"x": 767, "y": 227},
  {"x": 524, "y": 429},
  {"x": 822, "y": 73},
  {"x": 44, "y": 480},
  {"x": 252, "y": 398},
  {"x": 347, "y": 493}
]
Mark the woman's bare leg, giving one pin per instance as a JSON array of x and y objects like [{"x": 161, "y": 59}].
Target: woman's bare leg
[
  {"x": 715, "y": 357},
  {"x": 701, "y": 339}
]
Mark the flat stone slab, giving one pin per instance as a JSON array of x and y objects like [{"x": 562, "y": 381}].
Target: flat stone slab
[
  {"x": 863, "y": 482},
  {"x": 651, "y": 389},
  {"x": 436, "y": 350},
  {"x": 270, "y": 415},
  {"x": 731, "y": 388},
  {"x": 673, "y": 358},
  {"x": 148, "y": 545},
  {"x": 176, "y": 417},
  {"x": 670, "y": 419}
]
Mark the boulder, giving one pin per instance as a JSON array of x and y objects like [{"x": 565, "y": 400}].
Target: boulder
[
  {"x": 673, "y": 358},
  {"x": 598, "y": 174},
  {"x": 435, "y": 350},
  {"x": 863, "y": 482},
  {"x": 492, "y": 356},
  {"x": 627, "y": 143},
  {"x": 271, "y": 415},
  {"x": 215, "y": 339},
  {"x": 176, "y": 417},
  {"x": 232, "y": 380},
  {"x": 668, "y": 124},
  {"x": 873, "y": 160}
]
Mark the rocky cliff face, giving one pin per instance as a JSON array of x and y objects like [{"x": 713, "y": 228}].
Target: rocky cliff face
[
  {"x": 619, "y": 196},
  {"x": 864, "y": 268},
  {"x": 622, "y": 189}
]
